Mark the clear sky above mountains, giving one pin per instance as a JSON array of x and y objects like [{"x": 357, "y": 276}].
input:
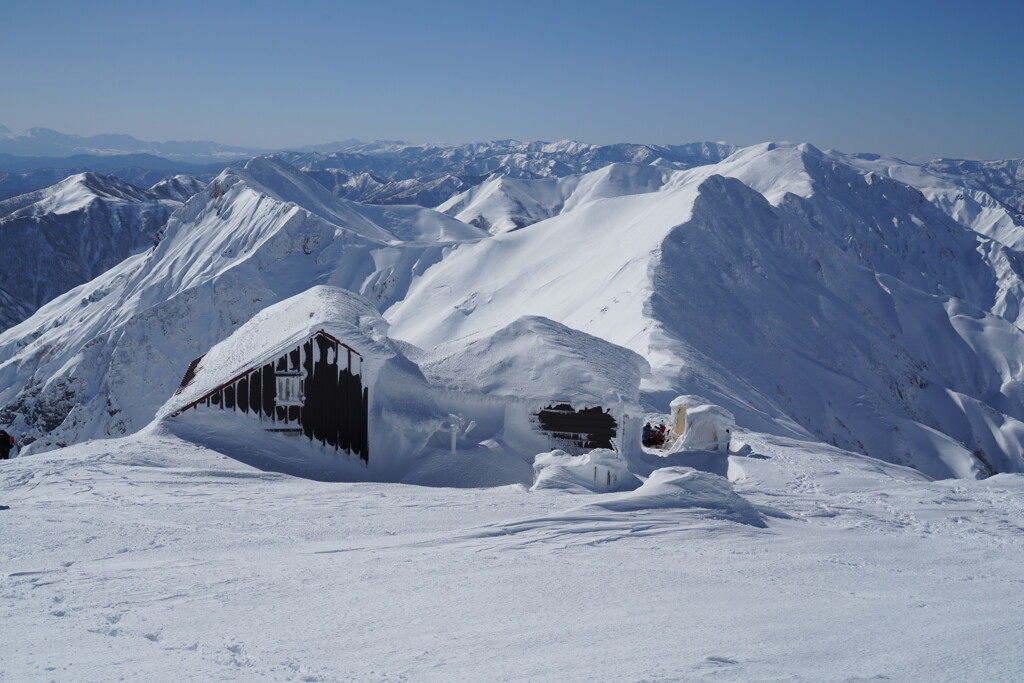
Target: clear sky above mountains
[{"x": 915, "y": 79}]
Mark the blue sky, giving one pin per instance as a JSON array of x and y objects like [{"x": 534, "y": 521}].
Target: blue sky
[{"x": 914, "y": 79}]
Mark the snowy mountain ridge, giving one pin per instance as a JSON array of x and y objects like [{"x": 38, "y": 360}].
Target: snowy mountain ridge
[{"x": 806, "y": 291}]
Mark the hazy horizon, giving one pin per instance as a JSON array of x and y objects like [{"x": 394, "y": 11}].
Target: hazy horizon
[{"x": 917, "y": 79}]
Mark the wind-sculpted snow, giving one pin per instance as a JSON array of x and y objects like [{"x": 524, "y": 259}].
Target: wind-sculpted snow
[
  {"x": 599, "y": 471},
  {"x": 677, "y": 487},
  {"x": 99, "y": 360},
  {"x": 163, "y": 557}
]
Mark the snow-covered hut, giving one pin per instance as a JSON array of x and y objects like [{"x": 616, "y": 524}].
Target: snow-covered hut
[
  {"x": 700, "y": 426},
  {"x": 319, "y": 366},
  {"x": 678, "y": 408},
  {"x": 537, "y": 385}
]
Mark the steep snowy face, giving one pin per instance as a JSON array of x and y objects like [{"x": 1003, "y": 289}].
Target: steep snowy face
[
  {"x": 99, "y": 360},
  {"x": 59, "y": 237},
  {"x": 801, "y": 294},
  {"x": 985, "y": 196}
]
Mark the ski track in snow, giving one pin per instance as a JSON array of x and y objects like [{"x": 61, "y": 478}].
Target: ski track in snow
[{"x": 153, "y": 558}]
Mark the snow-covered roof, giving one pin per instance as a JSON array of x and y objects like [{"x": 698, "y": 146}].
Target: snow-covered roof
[
  {"x": 535, "y": 358},
  {"x": 687, "y": 401},
  {"x": 339, "y": 313}
]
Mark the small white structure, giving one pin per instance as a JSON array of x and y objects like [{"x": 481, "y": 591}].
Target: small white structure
[
  {"x": 700, "y": 426},
  {"x": 678, "y": 408}
]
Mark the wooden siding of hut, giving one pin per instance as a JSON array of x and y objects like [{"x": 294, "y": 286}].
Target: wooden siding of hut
[{"x": 334, "y": 404}]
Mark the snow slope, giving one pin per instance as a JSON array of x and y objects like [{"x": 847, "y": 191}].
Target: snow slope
[
  {"x": 789, "y": 287},
  {"x": 156, "y": 559},
  {"x": 61, "y": 236}
]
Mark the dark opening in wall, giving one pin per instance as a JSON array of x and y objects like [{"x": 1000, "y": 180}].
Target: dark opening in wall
[{"x": 577, "y": 431}]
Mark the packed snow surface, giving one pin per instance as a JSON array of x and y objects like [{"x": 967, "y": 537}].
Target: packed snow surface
[{"x": 153, "y": 558}]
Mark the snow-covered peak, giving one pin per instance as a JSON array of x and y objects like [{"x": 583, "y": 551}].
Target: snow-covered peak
[
  {"x": 774, "y": 169},
  {"x": 73, "y": 194},
  {"x": 275, "y": 178}
]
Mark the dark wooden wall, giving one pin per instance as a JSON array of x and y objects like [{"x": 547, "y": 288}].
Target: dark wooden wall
[{"x": 335, "y": 409}]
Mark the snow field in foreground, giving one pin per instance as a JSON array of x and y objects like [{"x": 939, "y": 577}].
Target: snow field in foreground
[{"x": 155, "y": 559}]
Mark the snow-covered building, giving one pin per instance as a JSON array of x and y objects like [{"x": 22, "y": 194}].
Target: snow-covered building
[
  {"x": 308, "y": 384},
  {"x": 677, "y": 411},
  {"x": 699, "y": 426},
  {"x": 320, "y": 367},
  {"x": 539, "y": 385}
]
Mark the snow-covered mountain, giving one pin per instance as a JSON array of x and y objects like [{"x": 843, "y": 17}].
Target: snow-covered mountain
[
  {"x": 811, "y": 293},
  {"x": 64, "y": 235},
  {"x": 863, "y": 301},
  {"x": 26, "y": 174},
  {"x": 365, "y": 187},
  {"x": 986, "y": 196},
  {"x": 790, "y": 287},
  {"x": 98, "y": 360}
]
